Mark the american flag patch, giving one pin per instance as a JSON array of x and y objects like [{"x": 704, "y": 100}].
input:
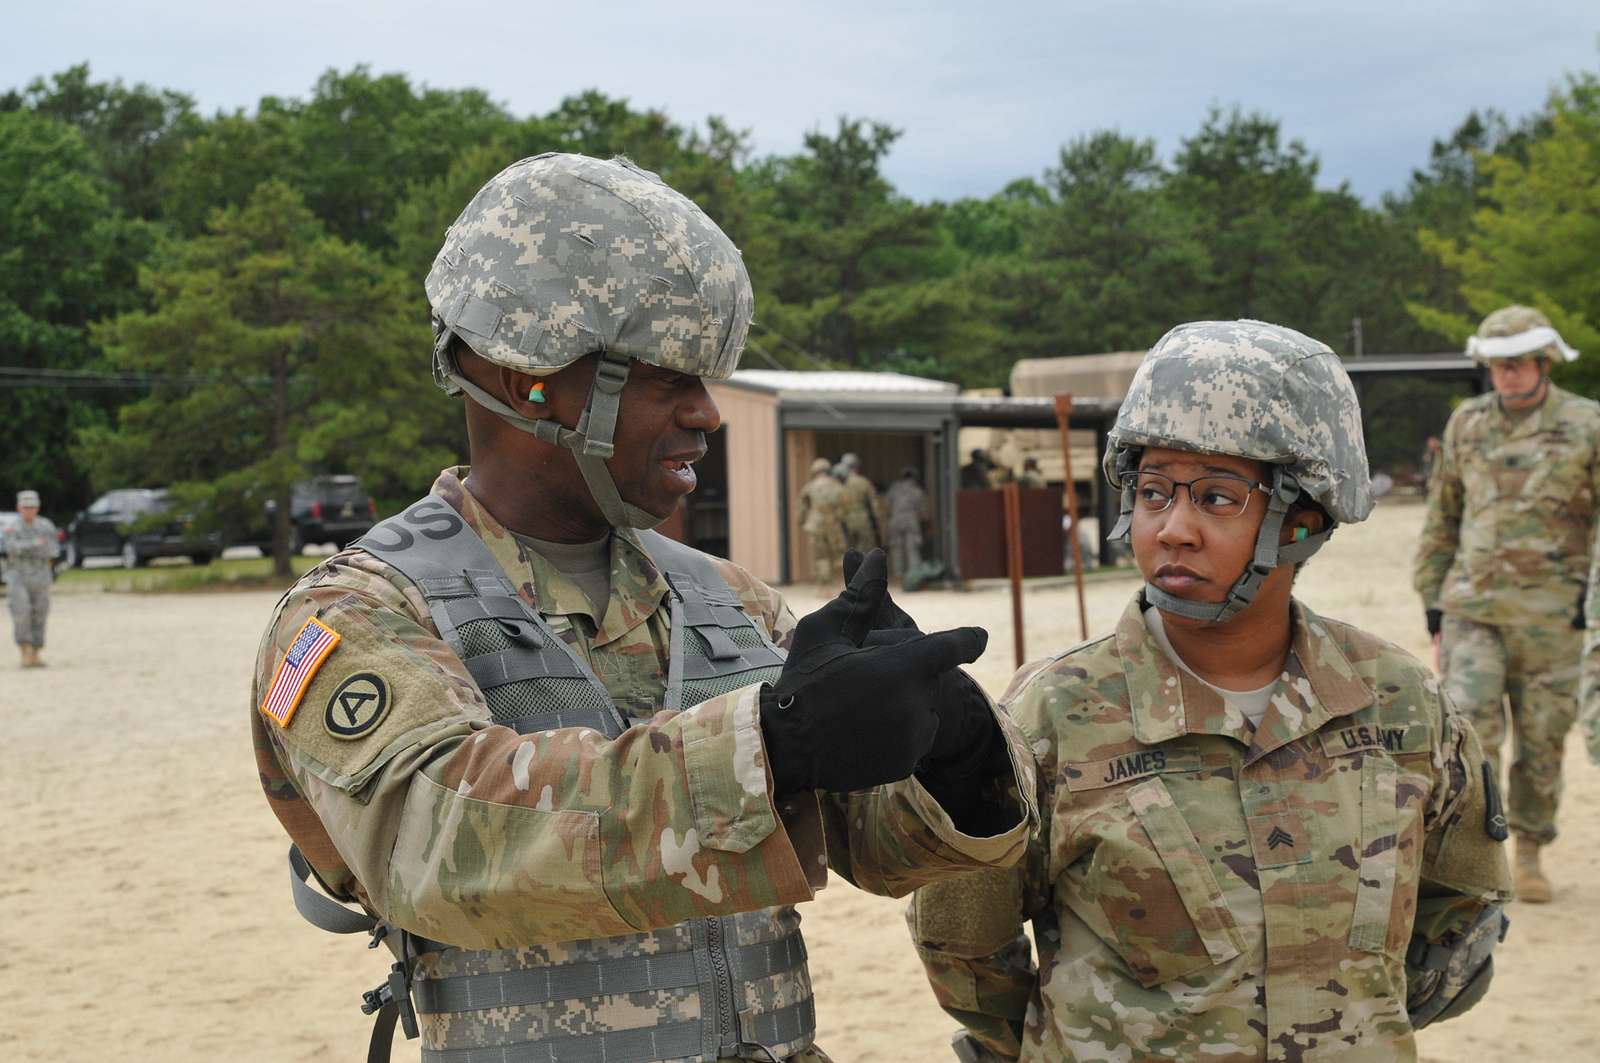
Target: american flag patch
[{"x": 310, "y": 648}]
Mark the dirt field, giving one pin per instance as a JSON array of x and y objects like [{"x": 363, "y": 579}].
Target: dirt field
[{"x": 144, "y": 892}]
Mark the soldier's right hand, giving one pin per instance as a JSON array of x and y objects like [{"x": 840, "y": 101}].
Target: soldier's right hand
[{"x": 846, "y": 714}]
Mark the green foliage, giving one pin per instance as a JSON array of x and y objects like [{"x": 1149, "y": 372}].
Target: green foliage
[
  {"x": 293, "y": 352},
  {"x": 135, "y": 134},
  {"x": 282, "y": 250},
  {"x": 67, "y": 258},
  {"x": 1532, "y": 241},
  {"x": 847, "y": 268}
]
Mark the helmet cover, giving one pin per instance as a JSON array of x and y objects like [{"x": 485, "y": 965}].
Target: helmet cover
[
  {"x": 1253, "y": 390},
  {"x": 560, "y": 255}
]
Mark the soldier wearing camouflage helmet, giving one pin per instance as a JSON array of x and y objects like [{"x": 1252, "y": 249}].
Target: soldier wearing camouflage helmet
[
  {"x": 861, "y": 506},
  {"x": 1267, "y": 835},
  {"x": 31, "y": 548},
  {"x": 574, "y": 774},
  {"x": 1503, "y": 562},
  {"x": 821, "y": 515}
]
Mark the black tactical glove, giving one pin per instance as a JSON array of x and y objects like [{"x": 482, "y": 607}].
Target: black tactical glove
[
  {"x": 970, "y": 742},
  {"x": 1435, "y": 620},
  {"x": 1579, "y": 619},
  {"x": 969, "y": 749},
  {"x": 847, "y": 716}
]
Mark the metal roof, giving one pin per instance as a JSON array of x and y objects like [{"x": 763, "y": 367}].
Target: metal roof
[
  {"x": 839, "y": 381},
  {"x": 1444, "y": 362}
]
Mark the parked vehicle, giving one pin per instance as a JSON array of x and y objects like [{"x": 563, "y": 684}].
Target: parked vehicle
[
  {"x": 333, "y": 508},
  {"x": 137, "y": 524}
]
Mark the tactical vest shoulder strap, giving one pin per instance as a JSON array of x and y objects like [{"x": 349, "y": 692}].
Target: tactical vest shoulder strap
[
  {"x": 504, "y": 642},
  {"x": 730, "y": 649}
]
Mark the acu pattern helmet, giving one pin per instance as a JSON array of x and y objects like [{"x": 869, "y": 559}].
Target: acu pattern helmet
[
  {"x": 1251, "y": 390},
  {"x": 560, "y": 256}
]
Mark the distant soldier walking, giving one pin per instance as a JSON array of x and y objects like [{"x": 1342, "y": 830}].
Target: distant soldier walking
[
  {"x": 822, "y": 502},
  {"x": 1031, "y": 477},
  {"x": 908, "y": 512},
  {"x": 861, "y": 507},
  {"x": 31, "y": 550},
  {"x": 1503, "y": 561}
]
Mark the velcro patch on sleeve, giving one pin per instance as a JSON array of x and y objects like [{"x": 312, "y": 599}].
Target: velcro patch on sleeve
[{"x": 311, "y": 646}]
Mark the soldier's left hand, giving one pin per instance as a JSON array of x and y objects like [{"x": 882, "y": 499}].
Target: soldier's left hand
[{"x": 848, "y": 714}]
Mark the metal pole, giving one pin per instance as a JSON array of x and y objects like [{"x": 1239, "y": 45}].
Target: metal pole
[
  {"x": 1064, "y": 418},
  {"x": 1011, "y": 496}
]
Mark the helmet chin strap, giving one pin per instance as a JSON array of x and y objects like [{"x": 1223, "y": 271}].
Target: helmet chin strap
[
  {"x": 1269, "y": 553},
  {"x": 591, "y": 442}
]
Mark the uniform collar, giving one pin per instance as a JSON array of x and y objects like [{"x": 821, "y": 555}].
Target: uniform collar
[
  {"x": 1538, "y": 419},
  {"x": 637, "y": 586},
  {"x": 1318, "y": 684}
]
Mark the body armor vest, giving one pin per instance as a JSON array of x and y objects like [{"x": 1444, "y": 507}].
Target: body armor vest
[{"x": 726, "y": 987}]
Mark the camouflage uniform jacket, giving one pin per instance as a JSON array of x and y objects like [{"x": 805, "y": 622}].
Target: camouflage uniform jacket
[
  {"x": 469, "y": 833},
  {"x": 1511, "y": 511},
  {"x": 822, "y": 505},
  {"x": 908, "y": 506},
  {"x": 29, "y": 549},
  {"x": 1204, "y": 891},
  {"x": 861, "y": 505}
]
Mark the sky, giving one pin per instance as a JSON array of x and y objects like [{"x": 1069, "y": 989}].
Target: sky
[{"x": 985, "y": 91}]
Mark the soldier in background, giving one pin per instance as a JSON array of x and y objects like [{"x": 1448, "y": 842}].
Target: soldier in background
[
  {"x": 908, "y": 515},
  {"x": 1503, "y": 561},
  {"x": 579, "y": 800},
  {"x": 975, "y": 473},
  {"x": 822, "y": 505},
  {"x": 32, "y": 547},
  {"x": 1031, "y": 476},
  {"x": 861, "y": 507},
  {"x": 1266, "y": 834}
]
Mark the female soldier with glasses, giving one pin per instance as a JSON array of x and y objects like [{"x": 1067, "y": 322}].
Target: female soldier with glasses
[{"x": 1268, "y": 835}]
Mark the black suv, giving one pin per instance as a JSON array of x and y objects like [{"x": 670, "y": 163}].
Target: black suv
[
  {"x": 136, "y": 524},
  {"x": 328, "y": 509}
]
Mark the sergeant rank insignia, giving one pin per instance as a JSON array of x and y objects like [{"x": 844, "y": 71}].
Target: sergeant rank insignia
[{"x": 310, "y": 648}]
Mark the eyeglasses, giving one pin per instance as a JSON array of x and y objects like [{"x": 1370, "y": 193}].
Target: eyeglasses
[{"x": 1215, "y": 496}]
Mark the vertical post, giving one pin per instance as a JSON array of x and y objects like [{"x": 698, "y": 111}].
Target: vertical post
[
  {"x": 1063, "y": 419},
  {"x": 1011, "y": 496}
]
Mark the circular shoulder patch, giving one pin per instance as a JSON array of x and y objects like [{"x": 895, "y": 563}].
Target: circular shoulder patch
[{"x": 357, "y": 706}]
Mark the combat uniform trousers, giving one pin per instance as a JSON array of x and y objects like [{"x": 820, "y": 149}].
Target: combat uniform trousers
[
  {"x": 28, "y": 597},
  {"x": 1535, "y": 668},
  {"x": 827, "y": 550},
  {"x": 905, "y": 550}
]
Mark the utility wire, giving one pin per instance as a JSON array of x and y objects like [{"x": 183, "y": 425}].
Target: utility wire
[
  {"x": 786, "y": 341},
  {"x": 15, "y": 377},
  {"x": 760, "y": 352}
]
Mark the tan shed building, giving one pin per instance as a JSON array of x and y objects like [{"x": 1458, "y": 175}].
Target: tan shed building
[{"x": 776, "y": 422}]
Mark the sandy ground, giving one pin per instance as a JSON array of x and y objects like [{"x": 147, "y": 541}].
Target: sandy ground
[{"x": 144, "y": 907}]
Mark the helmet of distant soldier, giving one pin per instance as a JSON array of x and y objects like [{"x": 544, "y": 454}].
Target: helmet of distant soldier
[
  {"x": 821, "y": 465},
  {"x": 1515, "y": 331}
]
